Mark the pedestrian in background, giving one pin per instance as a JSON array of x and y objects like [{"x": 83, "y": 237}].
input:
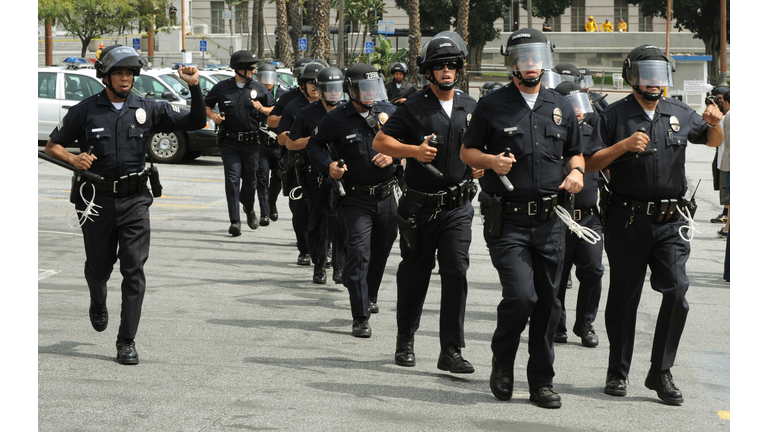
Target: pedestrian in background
[{"x": 591, "y": 25}]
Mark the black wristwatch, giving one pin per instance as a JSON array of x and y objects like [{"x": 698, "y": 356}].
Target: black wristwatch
[{"x": 581, "y": 170}]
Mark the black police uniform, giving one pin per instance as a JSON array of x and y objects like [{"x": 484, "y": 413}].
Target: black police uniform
[
  {"x": 121, "y": 230},
  {"x": 315, "y": 184},
  {"x": 443, "y": 213},
  {"x": 394, "y": 93},
  {"x": 239, "y": 139},
  {"x": 369, "y": 204},
  {"x": 268, "y": 185},
  {"x": 528, "y": 252},
  {"x": 588, "y": 258},
  {"x": 299, "y": 207},
  {"x": 633, "y": 242}
]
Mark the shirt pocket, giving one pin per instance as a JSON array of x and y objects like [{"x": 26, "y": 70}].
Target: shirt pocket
[
  {"x": 554, "y": 135},
  {"x": 99, "y": 138},
  {"x": 512, "y": 139},
  {"x": 138, "y": 138},
  {"x": 228, "y": 108},
  {"x": 676, "y": 149}
]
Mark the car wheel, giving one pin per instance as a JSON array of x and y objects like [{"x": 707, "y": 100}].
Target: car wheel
[{"x": 167, "y": 147}]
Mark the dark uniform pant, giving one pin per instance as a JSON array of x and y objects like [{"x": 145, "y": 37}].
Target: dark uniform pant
[
  {"x": 370, "y": 235},
  {"x": 240, "y": 162},
  {"x": 120, "y": 231},
  {"x": 631, "y": 249},
  {"x": 268, "y": 182},
  {"x": 588, "y": 259},
  {"x": 450, "y": 234},
  {"x": 317, "y": 198},
  {"x": 299, "y": 213},
  {"x": 529, "y": 258}
]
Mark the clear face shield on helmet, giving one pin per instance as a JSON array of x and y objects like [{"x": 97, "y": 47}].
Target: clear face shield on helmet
[
  {"x": 118, "y": 54},
  {"x": 587, "y": 82},
  {"x": 368, "y": 91},
  {"x": 267, "y": 77},
  {"x": 531, "y": 56},
  {"x": 570, "y": 78},
  {"x": 332, "y": 91},
  {"x": 580, "y": 102},
  {"x": 657, "y": 73},
  {"x": 550, "y": 79}
]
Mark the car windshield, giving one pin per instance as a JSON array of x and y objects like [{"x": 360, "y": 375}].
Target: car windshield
[{"x": 177, "y": 84}]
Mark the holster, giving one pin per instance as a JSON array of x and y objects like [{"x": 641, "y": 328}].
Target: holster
[
  {"x": 154, "y": 181},
  {"x": 77, "y": 180},
  {"x": 492, "y": 209},
  {"x": 409, "y": 230},
  {"x": 567, "y": 201}
]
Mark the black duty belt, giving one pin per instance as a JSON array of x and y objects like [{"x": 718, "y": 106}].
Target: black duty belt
[
  {"x": 452, "y": 197},
  {"x": 661, "y": 211},
  {"x": 126, "y": 185},
  {"x": 249, "y": 137},
  {"x": 544, "y": 207},
  {"x": 381, "y": 190},
  {"x": 579, "y": 214}
]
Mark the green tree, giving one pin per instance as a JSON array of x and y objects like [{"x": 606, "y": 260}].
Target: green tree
[
  {"x": 547, "y": 8},
  {"x": 88, "y": 19},
  {"x": 700, "y": 17},
  {"x": 151, "y": 13}
]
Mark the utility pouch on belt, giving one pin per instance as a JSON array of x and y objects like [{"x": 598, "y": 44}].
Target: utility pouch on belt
[
  {"x": 492, "y": 208},
  {"x": 567, "y": 201},
  {"x": 408, "y": 230},
  {"x": 77, "y": 180},
  {"x": 154, "y": 181},
  {"x": 546, "y": 208}
]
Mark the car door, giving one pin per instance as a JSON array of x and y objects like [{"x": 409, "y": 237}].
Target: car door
[{"x": 47, "y": 105}]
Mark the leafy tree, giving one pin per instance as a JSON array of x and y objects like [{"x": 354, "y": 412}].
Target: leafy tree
[
  {"x": 88, "y": 19},
  {"x": 700, "y": 17},
  {"x": 547, "y": 8},
  {"x": 151, "y": 13}
]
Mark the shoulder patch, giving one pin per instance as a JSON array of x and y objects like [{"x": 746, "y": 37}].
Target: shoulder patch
[{"x": 176, "y": 109}]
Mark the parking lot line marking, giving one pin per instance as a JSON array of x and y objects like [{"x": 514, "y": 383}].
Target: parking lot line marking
[
  {"x": 46, "y": 273},
  {"x": 192, "y": 179},
  {"x": 178, "y": 205},
  {"x": 724, "y": 415},
  {"x": 61, "y": 232}
]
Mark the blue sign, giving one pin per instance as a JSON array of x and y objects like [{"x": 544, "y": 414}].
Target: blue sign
[
  {"x": 369, "y": 47},
  {"x": 136, "y": 44},
  {"x": 302, "y": 44},
  {"x": 203, "y": 45}
]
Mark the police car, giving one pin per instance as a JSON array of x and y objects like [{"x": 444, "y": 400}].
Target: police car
[{"x": 60, "y": 88}]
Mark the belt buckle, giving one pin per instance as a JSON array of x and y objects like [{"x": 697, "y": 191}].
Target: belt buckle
[
  {"x": 441, "y": 198},
  {"x": 114, "y": 187},
  {"x": 240, "y": 136},
  {"x": 373, "y": 190},
  {"x": 532, "y": 212},
  {"x": 650, "y": 208},
  {"x": 577, "y": 215}
]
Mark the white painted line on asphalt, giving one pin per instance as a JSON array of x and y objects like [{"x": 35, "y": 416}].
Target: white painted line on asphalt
[
  {"x": 47, "y": 273},
  {"x": 60, "y": 232}
]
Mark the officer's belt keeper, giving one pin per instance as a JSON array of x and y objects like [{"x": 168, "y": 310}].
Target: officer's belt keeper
[
  {"x": 249, "y": 137},
  {"x": 661, "y": 211},
  {"x": 381, "y": 190}
]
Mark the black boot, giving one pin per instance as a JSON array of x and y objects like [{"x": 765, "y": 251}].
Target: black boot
[
  {"x": 319, "y": 277},
  {"x": 404, "y": 355}
]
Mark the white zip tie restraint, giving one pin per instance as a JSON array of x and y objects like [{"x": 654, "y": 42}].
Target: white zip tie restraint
[
  {"x": 589, "y": 235},
  {"x": 690, "y": 227},
  {"x": 292, "y": 193},
  {"x": 86, "y": 214}
]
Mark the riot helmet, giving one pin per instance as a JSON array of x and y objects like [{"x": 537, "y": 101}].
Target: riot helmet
[
  {"x": 330, "y": 82},
  {"x": 267, "y": 74},
  {"x": 549, "y": 79},
  {"x": 364, "y": 85},
  {"x": 298, "y": 65},
  {"x": 445, "y": 48},
  {"x": 576, "y": 96},
  {"x": 568, "y": 72},
  {"x": 527, "y": 50},
  {"x": 242, "y": 60},
  {"x": 118, "y": 57},
  {"x": 647, "y": 65},
  {"x": 309, "y": 75},
  {"x": 398, "y": 67},
  {"x": 586, "y": 78}
]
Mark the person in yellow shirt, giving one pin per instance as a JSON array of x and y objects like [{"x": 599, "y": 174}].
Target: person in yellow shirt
[
  {"x": 607, "y": 27},
  {"x": 622, "y": 25},
  {"x": 591, "y": 25},
  {"x": 98, "y": 51}
]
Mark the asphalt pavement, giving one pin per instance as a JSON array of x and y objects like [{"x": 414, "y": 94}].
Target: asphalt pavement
[{"x": 235, "y": 336}]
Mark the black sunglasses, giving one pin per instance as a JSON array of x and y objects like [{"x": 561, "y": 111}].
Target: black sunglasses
[
  {"x": 452, "y": 65},
  {"x": 251, "y": 68}
]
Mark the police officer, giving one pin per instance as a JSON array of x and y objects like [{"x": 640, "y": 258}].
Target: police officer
[
  {"x": 587, "y": 257},
  {"x": 242, "y": 103},
  {"x": 369, "y": 180},
  {"x": 268, "y": 186},
  {"x": 398, "y": 89},
  {"x": 296, "y": 162},
  {"x": 526, "y": 243},
  {"x": 315, "y": 186},
  {"x": 435, "y": 213},
  {"x": 112, "y": 129},
  {"x": 643, "y": 221}
]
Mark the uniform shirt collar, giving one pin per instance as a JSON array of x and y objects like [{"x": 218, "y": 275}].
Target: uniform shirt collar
[
  {"x": 636, "y": 110},
  {"x": 515, "y": 95},
  {"x": 131, "y": 100}
]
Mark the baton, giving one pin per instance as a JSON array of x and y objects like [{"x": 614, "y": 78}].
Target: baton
[
  {"x": 503, "y": 178},
  {"x": 637, "y": 155},
  {"x": 86, "y": 174},
  {"x": 431, "y": 168},
  {"x": 340, "y": 186}
]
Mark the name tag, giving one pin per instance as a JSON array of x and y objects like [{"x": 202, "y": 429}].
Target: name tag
[
  {"x": 351, "y": 136},
  {"x": 511, "y": 129},
  {"x": 97, "y": 130}
]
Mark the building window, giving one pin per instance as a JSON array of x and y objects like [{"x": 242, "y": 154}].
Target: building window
[
  {"x": 578, "y": 16},
  {"x": 240, "y": 15},
  {"x": 645, "y": 21},
  {"x": 556, "y": 25},
  {"x": 620, "y": 12},
  {"x": 217, "y": 17},
  {"x": 509, "y": 23}
]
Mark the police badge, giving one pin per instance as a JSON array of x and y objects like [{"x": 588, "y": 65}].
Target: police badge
[
  {"x": 141, "y": 115},
  {"x": 469, "y": 118},
  {"x": 674, "y": 123},
  {"x": 557, "y": 116},
  {"x": 254, "y": 94},
  {"x": 383, "y": 117}
]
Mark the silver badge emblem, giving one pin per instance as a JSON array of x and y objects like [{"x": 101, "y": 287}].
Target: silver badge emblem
[
  {"x": 383, "y": 117},
  {"x": 674, "y": 123},
  {"x": 254, "y": 94},
  {"x": 469, "y": 118},
  {"x": 141, "y": 115},
  {"x": 557, "y": 116}
]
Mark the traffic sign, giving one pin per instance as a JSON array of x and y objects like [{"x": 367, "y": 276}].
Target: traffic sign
[
  {"x": 302, "y": 44},
  {"x": 369, "y": 47},
  {"x": 203, "y": 45},
  {"x": 136, "y": 44}
]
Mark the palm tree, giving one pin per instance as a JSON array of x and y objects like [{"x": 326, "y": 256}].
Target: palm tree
[
  {"x": 321, "y": 32},
  {"x": 283, "y": 50},
  {"x": 294, "y": 21},
  {"x": 462, "y": 28},
  {"x": 414, "y": 39}
]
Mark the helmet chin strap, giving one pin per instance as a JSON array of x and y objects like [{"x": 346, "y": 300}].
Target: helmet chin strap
[
  {"x": 247, "y": 80},
  {"x": 441, "y": 86},
  {"x": 119, "y": 95},
  {"x": 527, "y": 81},
  {"x": 651, "y": 97}
]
